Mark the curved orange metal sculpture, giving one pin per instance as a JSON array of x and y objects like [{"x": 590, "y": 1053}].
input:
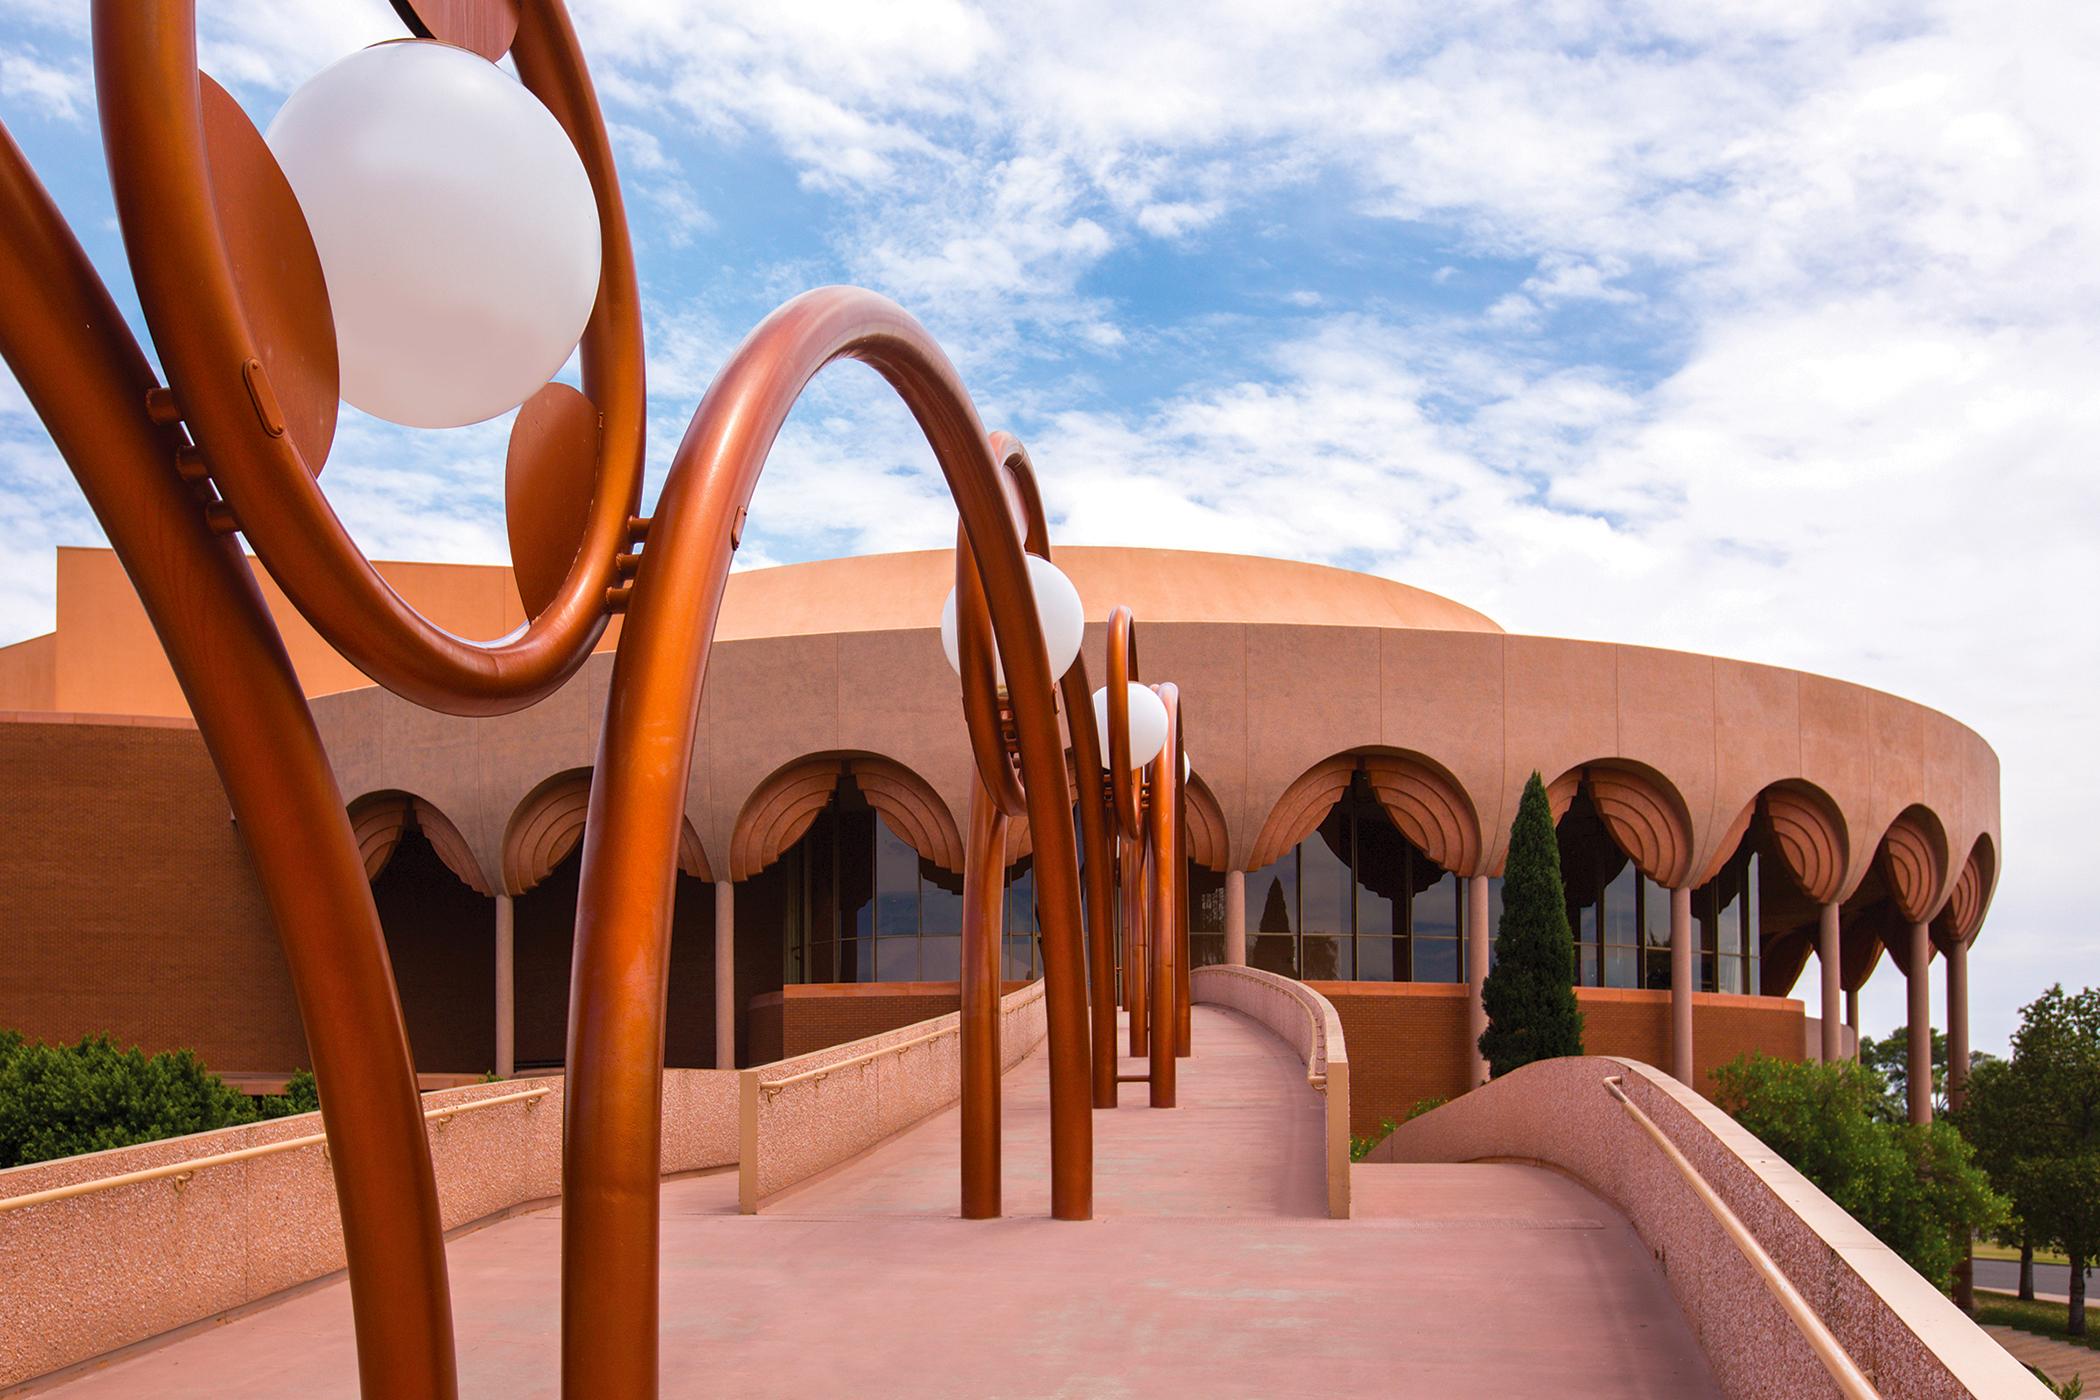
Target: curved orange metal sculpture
[
  {"x": 616, "y": 1006},
  {"x": 173, "y": 473},
  {"x": 212, "y": 337}
]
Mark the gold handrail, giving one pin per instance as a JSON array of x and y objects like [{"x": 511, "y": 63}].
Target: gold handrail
[
  {"x": 771, "y": 1087},
  {"x": 182, "y": 1171},
  {"x": 1849, "y": 1378}
]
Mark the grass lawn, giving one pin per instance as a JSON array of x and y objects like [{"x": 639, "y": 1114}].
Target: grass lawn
[
  {"x": 1986, "y": 1250},
  {"x": 2046, "y": 1319}
]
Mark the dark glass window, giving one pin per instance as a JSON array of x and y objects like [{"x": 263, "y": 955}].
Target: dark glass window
[
  {"x": 862, "y": 906},
  {"x": 1726, "y": 912},
  {"x": 1355, "y": 901},
  {"x": 1621, "y": 919},
  {"x": 1206, "y": 892}
]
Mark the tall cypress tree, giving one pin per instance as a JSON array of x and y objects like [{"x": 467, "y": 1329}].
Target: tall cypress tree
[{"x": 1530, "y": 996}]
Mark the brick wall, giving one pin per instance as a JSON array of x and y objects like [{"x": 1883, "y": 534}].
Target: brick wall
[
  {"x": 796, "y": 1020},
  {"x": 1407, "y": 1040},
  {"x": 128, "y": 905}
]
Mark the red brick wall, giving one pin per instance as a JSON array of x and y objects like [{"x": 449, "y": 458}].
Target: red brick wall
[
  {"x": 127, "y": 903},
  {"x": 1407, "y": 1040},
  {"x": 796, "y": 1020}
]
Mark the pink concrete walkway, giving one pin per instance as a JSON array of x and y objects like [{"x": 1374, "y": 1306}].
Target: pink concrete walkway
[{"x": 1209, "y": 1270}]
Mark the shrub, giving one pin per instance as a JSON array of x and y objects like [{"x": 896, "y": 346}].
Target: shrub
[
  {"x": 1918, "y": 1188},
  {"x": 300, "y": 1096},
  {"x": 1360, "y": 1147},
  {"x": 59, "y": 1100}
]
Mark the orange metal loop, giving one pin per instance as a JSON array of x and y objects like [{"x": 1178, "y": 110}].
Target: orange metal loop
[
  {"x": 980, "y": 690},
  {"x": 147, "y": 89},
  {"x": 613, "y": 1123},
  {"x": 1095, "y": 838},
  {"x": 1122, "y": 670}
]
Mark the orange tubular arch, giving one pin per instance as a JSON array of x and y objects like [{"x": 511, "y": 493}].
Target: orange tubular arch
[{"x": 616, "y": 1025}]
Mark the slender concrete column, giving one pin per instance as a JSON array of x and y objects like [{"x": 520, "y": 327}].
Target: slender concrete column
[
  {"x": 1683, "y": 981},
  {"x": 725, "y": 974},
  {"x": 1852, "y": 1020},
  {"x": 1919, "y": 984},
  {"x": 1478, "y": 936},
  {"x": 1236, "y": 917},
  {"x": 1958, "y": 1025},
  {"x": 506, "y": 989},
  {"x": 1828, "y": 960}
]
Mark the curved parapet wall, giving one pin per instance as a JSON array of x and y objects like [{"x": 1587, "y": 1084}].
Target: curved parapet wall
[
  {"x": 1308, "y": 1022},
  {"x": 799, "y": 1117},
  {"x": 84, "y": 1274},
  {"x": 1899, "y": 1329}
]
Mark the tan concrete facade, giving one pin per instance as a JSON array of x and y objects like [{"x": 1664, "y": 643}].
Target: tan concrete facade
[
  {"x": 1290, "y": 674},
  {"x": 1266, "y": 703}
]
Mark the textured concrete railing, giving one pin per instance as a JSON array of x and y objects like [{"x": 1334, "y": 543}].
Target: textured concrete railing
[
  {"x": 1899, "y": 1329},
  {"x": 87, "y": 1274},
  {"x": 802, "y": 1116},
  {"x": 1308, "y": 1021}
]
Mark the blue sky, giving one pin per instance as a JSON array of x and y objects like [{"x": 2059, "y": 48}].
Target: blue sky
[{"x": 1765, "y": 329}]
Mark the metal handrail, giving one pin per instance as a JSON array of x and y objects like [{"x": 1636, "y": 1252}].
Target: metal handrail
[
  {"x": 770, "y": 1087},
  {"x": 182, "y": 1171},
  {"x": 1849, "y": 1378}
]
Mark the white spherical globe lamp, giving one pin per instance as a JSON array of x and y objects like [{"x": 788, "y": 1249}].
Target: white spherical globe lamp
[
  {"x": 455, "y": 225},
  {"x": 1148, "y": 724},
  {"x": 1057, "y": 608}
]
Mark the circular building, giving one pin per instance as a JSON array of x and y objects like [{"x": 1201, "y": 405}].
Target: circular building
[{"x": 1359, "y": 747}]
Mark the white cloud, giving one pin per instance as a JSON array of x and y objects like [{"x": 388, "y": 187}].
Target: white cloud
[
  {"x": 64, "y": 92},
  {"x": 1780, "y": 339}
]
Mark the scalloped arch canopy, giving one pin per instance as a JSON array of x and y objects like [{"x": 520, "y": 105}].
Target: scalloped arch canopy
[
  {"x": 777, "y": 815},
  {"x": 378, "y": 820},
  {"x": 1430, "y": 809}
]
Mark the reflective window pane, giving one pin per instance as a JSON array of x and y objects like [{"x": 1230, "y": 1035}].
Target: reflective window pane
[
  {"x": 1206, "y": 894},
  {"x": 897, "y": 959},
  {"x": 896, "y": 884},
  {"x": 1381, "y": 874},
  {"x": 1275, "y": 953},
  {"x": 1324, "y": 881},
  {"x": 940, "y": 958},
  {"x": 856, "y": 878},
  {"x": 1374, "y": 960},
  {"x": 1326, "y": 957},
  {"x": 940, "y": 900},
  {"x": 1272, "y": 896},
  {"x": 1436, "y": 911},
  {"x": 1436, "y": 960},
  {"x": 856, "y": 960}
]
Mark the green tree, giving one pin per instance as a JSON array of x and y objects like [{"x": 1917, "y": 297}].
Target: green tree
[
  {"x": 1530, "y": 996},
  {"x": 1998, "y": 1119},
  {"x": 59, "y": 1100},
  {"x": 1917, "y": 1187},
  {"x": 2054, "y": 1177}
]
